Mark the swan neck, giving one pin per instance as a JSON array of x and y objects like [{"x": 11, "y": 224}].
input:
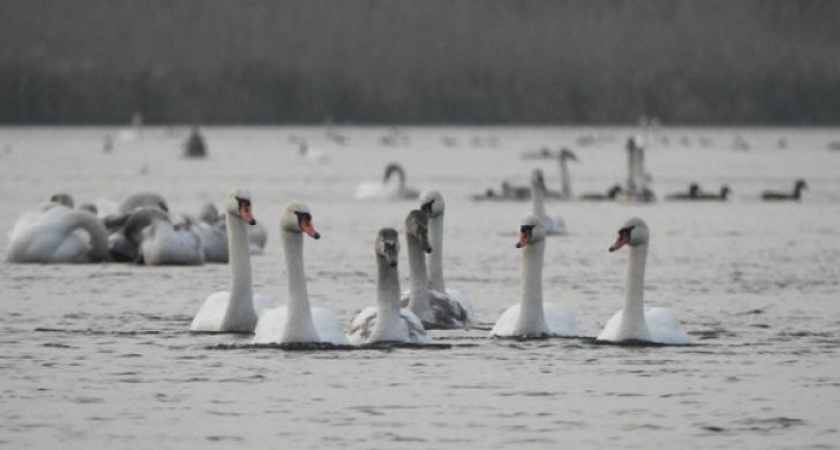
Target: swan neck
[
  {"x": 635, "y": 283},
  {"x": 95, "y": 228},
  {"x": 241, "y": 293},
  {"x": 300, "y": 326},
  {"x": 565, "y": 180},
  {"x": 531, "y": 315},
  {"x": 538, "y": 201},
  {"x": 435, "y": 265},
  {"x": 388, "y": 301},
  {"x": 420, "y": 303}
]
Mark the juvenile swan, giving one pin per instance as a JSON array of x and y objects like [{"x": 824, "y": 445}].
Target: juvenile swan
[
  {"x": 635, "y": 322},
  {"x": 532, "y": 317},
  {"x": 235, "y": 311},
  {"x": 297, "y": 323},
  {"x": 387, "y": 322}
]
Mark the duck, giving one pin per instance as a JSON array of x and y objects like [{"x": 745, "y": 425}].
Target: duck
[
  {"x": 533, "y": 317},
  {"x": 464, "y": 315},
  {"x": 552, "y": 225},
  {"x": 635, "y": 322},
  {"x": 298, "y": 323},
  {"x": 610, "y": 195},
  {"x": 388, "y": 321},
  {"x": 237, "y": 310},
  {"x": 695, "y": 193},
  {"x": 56, "y": 233},
  {"x": 782, "y": 196},
  {"x": 437, "y": 311},
  {"x": 386, "y": 190}
]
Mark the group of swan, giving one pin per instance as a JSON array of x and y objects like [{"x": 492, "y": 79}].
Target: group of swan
[
  {"x": 428, "y": 304},
  {"x": 141, "y": 229}
]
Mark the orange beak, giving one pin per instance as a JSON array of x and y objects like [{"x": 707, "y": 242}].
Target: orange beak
[
  {"x": 306, "y": 227},
  {"x": 247, "y": 216},
  {"x": 524, "y": 239},
  {"x": 622, "y": 239}
]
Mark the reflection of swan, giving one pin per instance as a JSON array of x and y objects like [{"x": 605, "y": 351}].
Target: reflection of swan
[
  {"x": 552, "y": 225},
  {"x": 435, "y": 310},
  {"x": 795, "y": 195},
  {"x": 159, "y": 242},
  {"x": 610, "y": 195},
  {"x": 635, "y": 322},
  {"x": 533, "y": 318},
  {"x": 431, "y": 202},
  {"x": 59, "y": 235},
  {"x": 297, "y": 323},
  {"x": 237, "y": 310},
  {"x": 696, "y": 194},
  {"x": 387, "y": 190},
  {"x": 387, "y": 322}
]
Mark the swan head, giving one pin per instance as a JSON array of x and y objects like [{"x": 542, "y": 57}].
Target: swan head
[
  {"x": 634, "y": 233},
  {"x": 63, "y": 199},
  {"x": 431, "y": 203},
  {"x": 298, "y": 219},
  {"x": 693, "y": 189},
  {"x": 531, "y": 231},
  {"x": 391, "y": 169},
  {"x": 238, "y": 203},
  {"x": 800, "y": 184},
  {"x": 417, "y": 227},
  {"x": 538, "y": 180},
  {"x": 388, "y": 245},
  {"x": 208, "y": 213},
  {"x": 725, "y": 191},
  {"x": 565, "y": 153}
]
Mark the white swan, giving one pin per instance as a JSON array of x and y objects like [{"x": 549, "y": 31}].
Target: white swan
[
  {"x": 553, "y": 225},
  {"x": 312, "y": 156},
  {"x": 386, "y": 189},
  {"x": 565, "y": 179},
  {"x": 436, "y": 311},
  {"x": 532, "y": 317},
  {"x": 235, "y": 311},
  {"x": 387, "y": 322},
  {"x": 142, "y": 199},
  {"x": 431, "y": 202},
  {"x": 210, "y": 227},
  {"x": 156, "y": 241},
  {"x": 297, "y": 323},
  {"x": 637, "y": 189},
  {"x": 635, "y": 322},
  {"x": 58, "y": 235}
]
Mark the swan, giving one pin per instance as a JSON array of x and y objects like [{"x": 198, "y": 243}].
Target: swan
[
  {"x": 795, "y": 195},
  {"x": 313, "y": 156},
  {"x": 235, "y": 311},
  {"x": 211, "y": 229},
  {"x": 151, "y": 238},
  {"x": 431, "y": 202},
  {"x": 611, "y": 194},
  {"x": 387, "y": 322},
  {"x": 565, "y": 180},
  {"x": 532, "y": 317},
  {"x": 553, "y": 226},
  {"x": 58, "y": 235},
  {"x": 195, "y": 146},
  {"x": 435, "y": 310},
  {"x": 297, "y": 323},
  {"x": 142, "y": 199},
  {"x": 637, "y": 189},
  {"x": 386, "y": 190},
  {"x": 635, "y": 322}
]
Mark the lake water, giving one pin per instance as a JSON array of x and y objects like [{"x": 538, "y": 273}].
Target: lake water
[{"x": 97, "y": 356}]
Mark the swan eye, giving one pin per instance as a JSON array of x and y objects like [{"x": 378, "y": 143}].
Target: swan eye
[
  {"x": 243, "y": 202},
  {"x": 626, "y": 231},
  {"x": 427, "y": 207}
]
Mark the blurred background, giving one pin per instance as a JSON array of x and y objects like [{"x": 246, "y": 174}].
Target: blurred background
[{"x": 715, "y": 62}]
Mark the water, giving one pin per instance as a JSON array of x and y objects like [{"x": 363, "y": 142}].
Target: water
[{"x": 98, "y": 355}]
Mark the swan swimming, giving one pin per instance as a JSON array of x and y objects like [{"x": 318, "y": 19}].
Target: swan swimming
[
  {"x": 387, "y": 190},
  {"x": 298, "y": 323},
  {"x": 149, "y": 237},
  {"x": 635, "y": 322},
  {"x": 532, "y": 317},
  {"x": 235, "y": 311},
  {"x": 553, "y": 225},
  {"x": 388, "y": 321},
  {"x": 58, "y": 234},
  {"x": 795, "y": 195},
  {"x": 463, "y": 313}
]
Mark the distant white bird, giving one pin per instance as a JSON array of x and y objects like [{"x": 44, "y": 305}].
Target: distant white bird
[{"x": 387, "y": 189}]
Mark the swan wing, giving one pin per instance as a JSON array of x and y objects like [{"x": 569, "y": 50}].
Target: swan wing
[
  {"x": 210, "y": 316},
  {"x": 612, "y": 328},
  {"x": 664, "y": 327},
  {"x": 466, "y": 305},
  {"x": 560, "y": 321},
  {"x": 506, "y": 325},
  {"x": 328, "y": 326},
  {"x": 270, "y": 326},
  {"x": 362, "y": 325}
]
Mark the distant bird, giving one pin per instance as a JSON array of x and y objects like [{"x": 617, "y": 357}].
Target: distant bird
[
  {"x": 611, "y": 194},
  {"x": 696, "y": 194},
  {"x": 385, "y": 189},
  {"x": 781, "y": 196},
  {"x": 195, "y": 147}
]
